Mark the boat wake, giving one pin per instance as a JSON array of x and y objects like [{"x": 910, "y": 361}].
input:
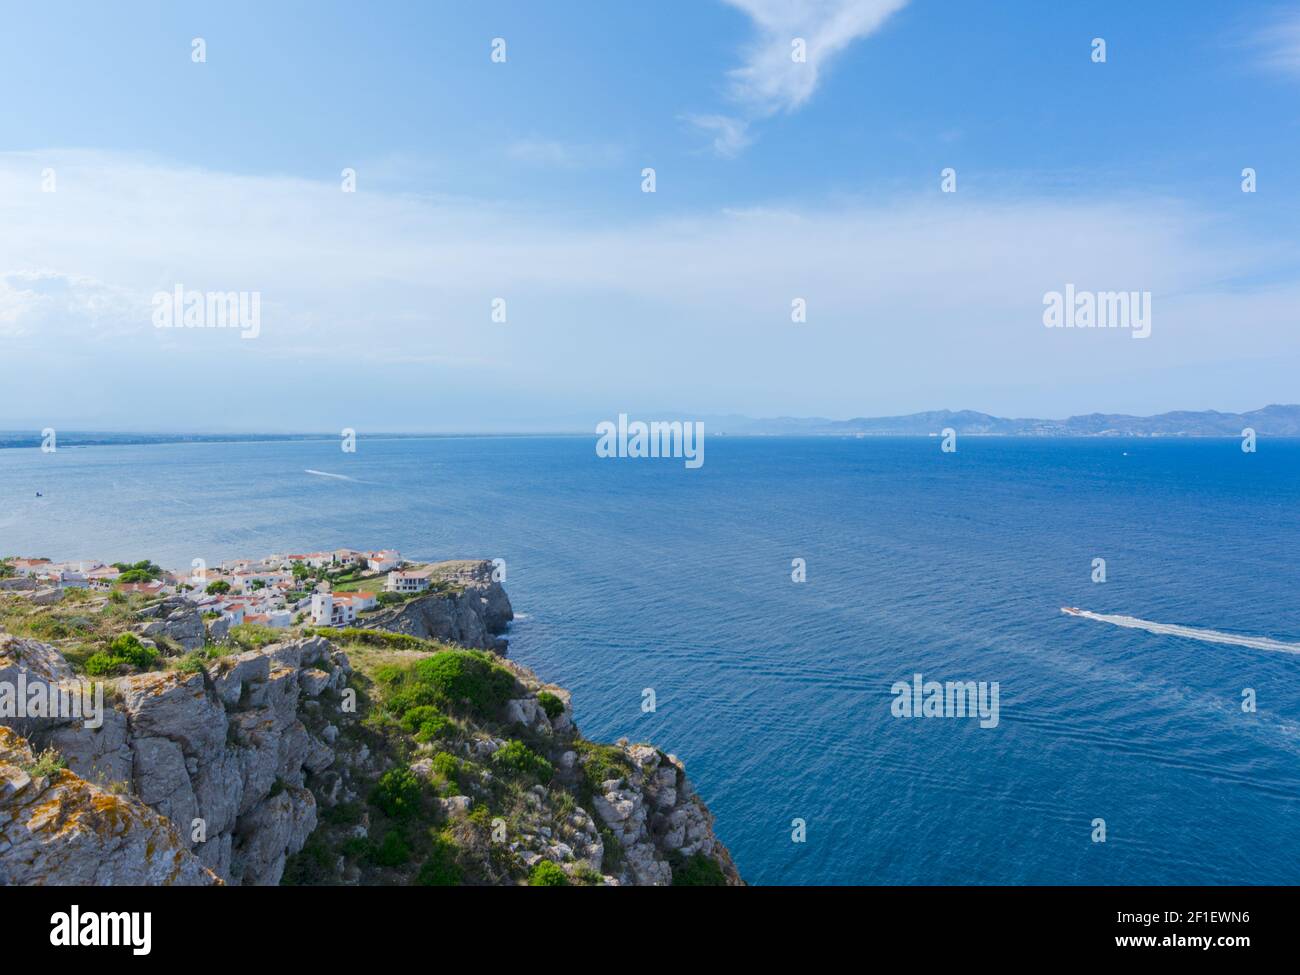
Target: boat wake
[
  {"x": 1189, "y": 632},
  {"x": 337, "y": 477}
]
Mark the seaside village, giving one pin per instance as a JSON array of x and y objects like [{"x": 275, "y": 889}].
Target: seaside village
[{"x": 327, "y": 588}]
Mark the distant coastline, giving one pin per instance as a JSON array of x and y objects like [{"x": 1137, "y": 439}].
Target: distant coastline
[
  {"x": 1270, "y": 421},
  {"x": 16, "y": 439}
]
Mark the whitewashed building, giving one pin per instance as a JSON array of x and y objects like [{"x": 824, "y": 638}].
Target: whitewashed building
[{"x": 416, "y": 580}]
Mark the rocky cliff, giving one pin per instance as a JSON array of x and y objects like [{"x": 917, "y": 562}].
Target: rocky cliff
[
  {"x": 423, "y": 763},
  {"x": 222, "y": 752},
  {"x": 465, "y": 606},
  {"x": 56, "y": 828}
]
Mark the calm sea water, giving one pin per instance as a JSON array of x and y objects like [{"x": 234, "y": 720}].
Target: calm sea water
[{"x": 630, "y": 574}]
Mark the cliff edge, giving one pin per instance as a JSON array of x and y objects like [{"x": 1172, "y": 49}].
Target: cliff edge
[
  {"x": 465, "y": 605},
  {"x": 361, "y": 757}
]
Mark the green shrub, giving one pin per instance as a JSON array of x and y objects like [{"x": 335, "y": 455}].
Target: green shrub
[
  {"x": 698, "y": 871},
  {"x": 546, "y": 873},
  {"x": 342, "y": 814},
  {"x": 467, "y": 676},
  {"x": 128, "y": 648},
  {"x": 611, "y": 860},
  {"x": 441, "y": 868},
  {"x": 397, "y": 793},
  {"x": 392, "y": 851},
  {"x": 218, "y": 588},
  {"x": 518, "y": 757},
  {"x": 450, "y": 679},
  {"x": 447, "y": 765},
  {"x": 99, "y": 664},
  {"x": 412, "y": 718},
  {"x": 125, "y": 650},
  {"x": 436, "y": 729},
  {"x": 192, "y": 663},
  {"x": 312, "y": 866},
  {"x": 551, "y": 704},
  {"x": 600, "y": 763},
  {"x": 143, "y": 571}
]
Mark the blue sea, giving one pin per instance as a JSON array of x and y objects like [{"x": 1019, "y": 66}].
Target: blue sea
[{"x": 633, "y": 574}]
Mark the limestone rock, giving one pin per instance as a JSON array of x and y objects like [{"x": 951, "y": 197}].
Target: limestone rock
[
  {"x": 222, "y": 755},
  {"x": 177, "y": 619},
  {"x": 472, "y": 614},
  {"x": 60, "y": 829}
]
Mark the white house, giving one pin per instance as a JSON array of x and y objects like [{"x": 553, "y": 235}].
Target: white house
[
  {"x": 383, "y": 561},
  {"x": 30, "y": 567},
  {"x": 339, "y": 609},
  {"x": 243, "y": 581},
  {"x": 411, "y": 581}
]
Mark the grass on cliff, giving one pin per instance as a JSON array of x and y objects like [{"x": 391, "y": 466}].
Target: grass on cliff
[
  {"x": 431, "y": 705},
  {"x": 82, "y": 626}
]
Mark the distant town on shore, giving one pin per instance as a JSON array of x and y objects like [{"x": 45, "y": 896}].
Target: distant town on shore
[
  {"x": 279, "y": 591},
  {"x": 1270, "y": 421}
]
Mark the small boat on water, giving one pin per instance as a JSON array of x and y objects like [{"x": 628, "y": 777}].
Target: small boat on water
[{"x": 1071, "y": 611}]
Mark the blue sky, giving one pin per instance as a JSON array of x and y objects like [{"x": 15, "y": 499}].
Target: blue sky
[{"x": 522, "y": 180}]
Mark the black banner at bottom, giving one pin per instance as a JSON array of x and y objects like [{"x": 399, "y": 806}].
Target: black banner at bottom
[{"x": 333, "y": 924}]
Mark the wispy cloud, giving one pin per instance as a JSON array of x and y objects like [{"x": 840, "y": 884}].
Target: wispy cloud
[
  {"x": 1279, "y": 44},
  {"x": 771, "y": 80},
  {"x": 730, "y": 135},
  {"x": 795, "y": 43}
]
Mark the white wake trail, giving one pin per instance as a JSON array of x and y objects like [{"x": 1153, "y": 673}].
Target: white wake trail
[
  {"x": 340, "y": 477},
  {"x": 1194, "y": 633}
]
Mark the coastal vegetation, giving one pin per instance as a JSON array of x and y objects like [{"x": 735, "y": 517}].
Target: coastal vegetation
[{"x": 447, "y": 765}]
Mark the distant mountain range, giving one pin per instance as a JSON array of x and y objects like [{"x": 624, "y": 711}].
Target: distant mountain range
[{"x": 1271, "y": 421}]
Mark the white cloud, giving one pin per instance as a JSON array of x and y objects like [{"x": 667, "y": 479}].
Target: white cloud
[
  {"x": 730, "y": 135},
  {"x": 374, "y": 299},
  {"x": 770, "y": 80},
  {"x": 36, "y": 300},
  {"x": 1279, "y": 44}
]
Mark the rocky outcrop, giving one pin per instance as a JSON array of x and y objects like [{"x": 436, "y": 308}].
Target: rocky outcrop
[
  {"x": 470, "y": 608},
  {"x": 177, "y": 620},
  {"x": 653, "y": 819},
  {"x": 658, "y": 819},
  {"x": 57, "y": 828},
  {"x": 223, "y": 754},
  {"x": 38, "y": 660}
]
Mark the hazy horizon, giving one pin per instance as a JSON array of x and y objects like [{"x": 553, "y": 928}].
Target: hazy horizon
[{"x": 574, "y": 427}]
